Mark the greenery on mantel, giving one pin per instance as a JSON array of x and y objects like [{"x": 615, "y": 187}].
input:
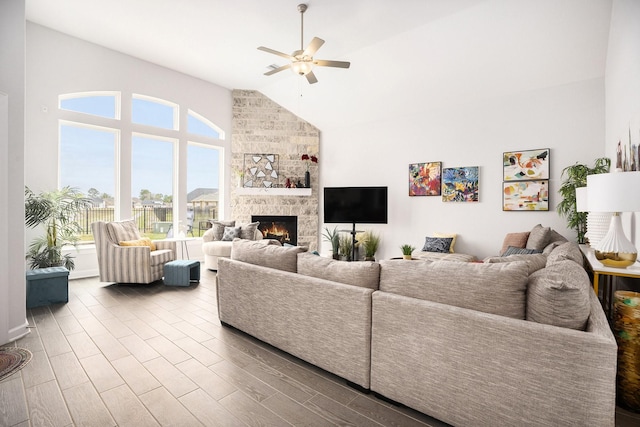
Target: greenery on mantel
[{"x": 575, "y": 176}]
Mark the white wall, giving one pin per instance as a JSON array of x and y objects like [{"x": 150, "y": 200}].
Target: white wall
[
  {"x": 568, "y": 119},
  {"x": 13, "y": 323},
  {"x": 58, "y": 64},
  {"x": 623, "y": 89}
]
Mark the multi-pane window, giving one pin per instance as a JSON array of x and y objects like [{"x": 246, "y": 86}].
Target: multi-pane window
[{"x": 93, "y": 159}]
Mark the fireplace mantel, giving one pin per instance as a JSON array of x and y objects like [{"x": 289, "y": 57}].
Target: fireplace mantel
[{"x": 245, "y": 191}]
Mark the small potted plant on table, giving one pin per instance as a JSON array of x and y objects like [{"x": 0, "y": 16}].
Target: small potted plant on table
[{"x": 407, "y": 250}]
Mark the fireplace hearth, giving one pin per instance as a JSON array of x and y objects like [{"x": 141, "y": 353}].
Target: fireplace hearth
[{"x": 283, "y": 228}]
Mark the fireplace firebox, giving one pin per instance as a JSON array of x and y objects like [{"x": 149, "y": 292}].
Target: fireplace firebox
[{"x": 283, "y": 228}]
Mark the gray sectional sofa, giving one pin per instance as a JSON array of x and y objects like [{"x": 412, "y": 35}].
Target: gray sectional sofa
[{"x": 516, "y": 341}]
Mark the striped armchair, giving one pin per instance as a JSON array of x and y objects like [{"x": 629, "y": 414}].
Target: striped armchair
[{"x": 129, "y": 264}]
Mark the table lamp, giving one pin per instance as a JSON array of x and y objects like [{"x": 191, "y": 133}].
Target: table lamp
[
  {"x": 614, "y": 192},
  {"x": 597, "y": 222}
]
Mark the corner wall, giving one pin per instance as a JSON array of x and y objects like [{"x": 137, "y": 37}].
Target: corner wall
[{"x": 260, "y": 126}]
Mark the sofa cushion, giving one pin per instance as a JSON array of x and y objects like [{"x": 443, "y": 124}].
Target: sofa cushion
[
  {"x": 218, "y": 228},
  {"x": 534, "y": 262},
  {"x": 453, "y": 242},
  {"x": 567, "y": 250},
  {"x": 437, "y": 244},
  {"x": 498, "y": 288},
  {"x": 230, "y": 233},
  {"x": 365, "y": 274},
  {"x": 517, "y": 240},
  {"x": 120, "y": 231},
  {"x": 559, "y": 295},
  {"x": 538, "y": 237},
  {"x": 267, "y": 253},
  {"x": 248, "y": 231}
]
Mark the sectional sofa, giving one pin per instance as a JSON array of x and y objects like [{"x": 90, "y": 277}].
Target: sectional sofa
[{"x": 515, "y": 342}]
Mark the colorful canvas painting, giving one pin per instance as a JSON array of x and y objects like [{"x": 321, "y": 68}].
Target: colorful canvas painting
[
  {"x": 424, "y": 179},
  {"x": 460, "y": 184},
  {"x": 526, "y": 195},
  {"x": 522, "y": 165}
]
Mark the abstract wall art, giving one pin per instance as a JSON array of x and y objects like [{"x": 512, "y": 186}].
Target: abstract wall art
[
  {"x": 523, "y": 165},
  {"x": 260, "y": 170},
  {"x": 525, "y": 195},
  {"x": 424, "y": 179},
  {"x": 460, "y": 184}
]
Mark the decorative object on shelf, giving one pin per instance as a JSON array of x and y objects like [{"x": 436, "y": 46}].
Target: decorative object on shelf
[
  {"x": 525, "y": 164},
  {"x": 57, "y": 212},
  {"x": 525, "y": 195},
  {"x": 425, "y": 179},
  {"x": 614, "y": 192},
  {"x": 575, "y": 176},
  {"x": 626, "y": 325},
  {"x": 460, "y": 184},
  {"x": 261, "y": 170},
  {"x": 407, "y": 250},
  {"x": 334, "y": 238},
  {"x": 308, "y": 160}
]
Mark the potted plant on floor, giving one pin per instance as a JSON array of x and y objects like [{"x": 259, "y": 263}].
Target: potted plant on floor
[
  {"x": 334, "y": 238},
  {"x": 346, "y": 247},
  {"x": 407, "y": 250},
  {"x": 56, "y": 211},
  {"x": 576, "y": 177},
  {"x": 370, "y": 242}
]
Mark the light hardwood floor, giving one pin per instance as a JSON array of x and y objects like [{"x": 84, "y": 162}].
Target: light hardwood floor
[{"x": 148, "y": 355}]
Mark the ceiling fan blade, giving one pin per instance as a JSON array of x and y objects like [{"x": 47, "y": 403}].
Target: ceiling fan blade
[
  {"x": 313, "y": 47},
  {"x": 275, "y": 52},
  {"x": 311, "y": 78},
  {"x": 276, "y": 70},
  {"x": 326, "y": 63}
]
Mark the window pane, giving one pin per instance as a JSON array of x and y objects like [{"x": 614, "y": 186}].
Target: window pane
[
  {"x": 98, "y": 105},
  {"x": 87, "y": 162},
  {"x": 199, "y": 126},
  {"x": 152, "y": 185},
  {"x": 151, "y": 113},
  {"x": 203, "y": 173}
]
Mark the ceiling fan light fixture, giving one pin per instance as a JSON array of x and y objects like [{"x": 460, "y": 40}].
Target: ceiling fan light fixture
[{"x": 302, "y": 67}]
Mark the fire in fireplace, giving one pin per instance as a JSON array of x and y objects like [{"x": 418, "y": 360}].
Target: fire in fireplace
[{"x": 279, "y": 227}]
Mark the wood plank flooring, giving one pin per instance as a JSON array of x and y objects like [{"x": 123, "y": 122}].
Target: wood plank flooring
[{"x": 149, "y": 355}]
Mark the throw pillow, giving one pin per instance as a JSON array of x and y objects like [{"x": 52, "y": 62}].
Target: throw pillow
[
  {"x": 123, "y": 230},
  {"x": 538, "y": 237},
  {"x": 517, "y": 240},
  {"x": 144, "y": 241},
  {"x": 567, "y": 250},
  {"x": 512, "y": 250},
  {"x": 535, "y": 262},
  {"x": 453, "y": 242},
  {"x": 230, "y": 233},
  {"x": 559, "y": 295},
  {"x": 218, "y": 228},
  {"x": 437, "y": 244},
  {"x": 248, "y": 231}
]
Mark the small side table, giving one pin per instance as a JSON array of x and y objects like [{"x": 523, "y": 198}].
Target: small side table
[
  {"x": 184, "y": 247},
  {"x": 181, "y": 272}
]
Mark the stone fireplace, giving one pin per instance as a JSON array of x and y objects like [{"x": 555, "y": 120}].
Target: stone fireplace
[{"x": 283, "y": 228}]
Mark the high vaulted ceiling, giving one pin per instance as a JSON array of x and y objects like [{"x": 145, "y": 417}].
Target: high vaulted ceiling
[{"x": 405, "y": 54}]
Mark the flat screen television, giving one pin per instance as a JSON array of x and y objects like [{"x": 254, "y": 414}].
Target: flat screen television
[{"x": 362, "y": 205}]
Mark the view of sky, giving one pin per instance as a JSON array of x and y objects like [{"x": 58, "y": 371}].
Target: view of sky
[{"x": 87, "y": 153}]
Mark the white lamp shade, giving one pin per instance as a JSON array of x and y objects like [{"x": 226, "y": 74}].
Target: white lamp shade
[
  {"x": 614, "y": 192},
  {"x": 582, "y": 203}
]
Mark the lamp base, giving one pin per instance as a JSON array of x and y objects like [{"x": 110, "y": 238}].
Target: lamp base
[{"x": 616, "y": 259}]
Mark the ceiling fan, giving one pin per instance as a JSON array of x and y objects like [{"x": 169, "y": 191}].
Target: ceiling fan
[{"x": 302, "y": 61}]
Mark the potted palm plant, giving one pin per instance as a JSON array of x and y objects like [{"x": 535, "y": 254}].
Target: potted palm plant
[
  {"x": 334, "y": 238},
  {"x": 56, "y": 211},
  {"x": 575, "y": 176}
]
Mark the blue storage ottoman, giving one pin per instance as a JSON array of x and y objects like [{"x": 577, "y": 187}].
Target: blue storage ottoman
[
  {"x": 181, "y": 272},
  {"x": 47, "y": 286}
]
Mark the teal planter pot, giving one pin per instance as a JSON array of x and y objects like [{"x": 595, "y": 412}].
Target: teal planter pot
[{"x": 47, "y": 286}]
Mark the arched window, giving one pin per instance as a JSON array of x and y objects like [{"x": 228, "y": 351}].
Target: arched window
[{"x": 106, "y": 155}]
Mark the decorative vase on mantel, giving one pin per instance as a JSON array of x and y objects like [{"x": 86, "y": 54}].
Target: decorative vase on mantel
[{"x": 307, "y": 180}]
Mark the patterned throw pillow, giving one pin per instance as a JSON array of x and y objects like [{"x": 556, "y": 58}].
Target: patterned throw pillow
[
  {"x": 453, "y": 242},
  {"x": 437, "y": 244},
  {"x": 512, "y": 250},
  {"x": 230, "y": 233}
]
